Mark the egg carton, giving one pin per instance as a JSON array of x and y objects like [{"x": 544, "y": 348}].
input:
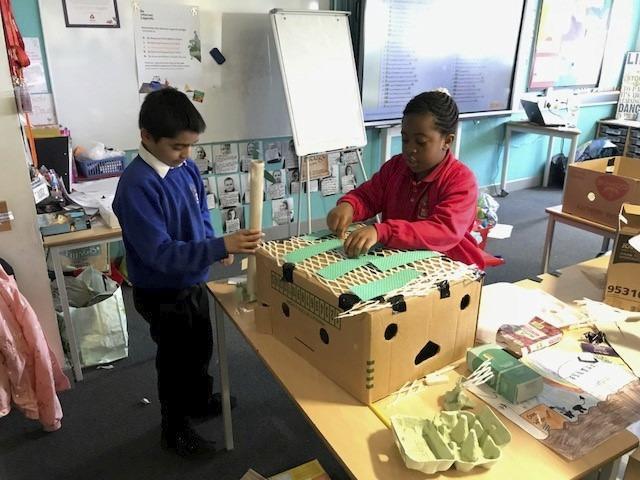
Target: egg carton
[{"x": 453, "y": 438}]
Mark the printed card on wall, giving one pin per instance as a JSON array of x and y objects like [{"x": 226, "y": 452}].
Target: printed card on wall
[
  {"x": 245, "y": 182},
  {"x": 211, "y": 191},
  {"x": 272, "y": 155},
  {"x": 350, "y": 157},
  {"x": 329, "y": 185},
  {"x": 333, "y": 158},
  {"x": 347, "y": 178},
  {"x": 294, "y": 180},
  {"x": 251, "y": 150},
  {"x": 629, "y": 99},
  {"x": 318, "y": 166},
  {"x": 277, "y": 189},
  {"x": 312, "y": 186},
  {"x": 225, "y": 158},
  {"x": 288, "y": 150},
  {"x": 282, "y": 211},
  {"x": 202, "y": 157},
  {"x": 232, "y": 219},
  {"x": 229, "y": 190}
]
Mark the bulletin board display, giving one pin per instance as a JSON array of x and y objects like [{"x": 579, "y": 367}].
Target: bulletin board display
[
  {"x": 570, "y": 43},
  {"x": 96, "y": 90}
]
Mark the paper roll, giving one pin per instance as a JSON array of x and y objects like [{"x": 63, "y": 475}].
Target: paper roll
[{"x": 256, "y": 186}]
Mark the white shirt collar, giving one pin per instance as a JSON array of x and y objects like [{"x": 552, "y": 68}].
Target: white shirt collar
[{"x": 150, "y": 159}]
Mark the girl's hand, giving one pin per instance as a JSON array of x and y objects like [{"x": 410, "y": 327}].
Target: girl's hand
[
  {"x": 360, "y": 241},
  {"x": 227, "y": 262},
  {"x": 339, "y": 219}
]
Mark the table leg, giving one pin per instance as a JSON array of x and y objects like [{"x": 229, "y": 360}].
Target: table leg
[
  {"x": 605, "y": 246},
  {"x": 224, "y": 375},
  {"x": 546, "y": 252},
  {"x": 66, "y": 314},
  {"x": 572, "y": 154},
  {"x": 505, "y": 161},
  {"x": 547, "y": 166}
]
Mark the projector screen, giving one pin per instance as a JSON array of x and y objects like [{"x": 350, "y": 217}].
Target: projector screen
[{"x": 411, "y": 46}]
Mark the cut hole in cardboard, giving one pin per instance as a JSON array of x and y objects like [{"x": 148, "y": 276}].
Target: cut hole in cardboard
[
  {"x": 464, "y": 303},
  {"x": 591, "y": 196},
  {"x": 390, "y": 331},
  {"x": 324, "y": 336},
  {"x": 428, "y": 351},
  {"x": 285, "y": 309}
]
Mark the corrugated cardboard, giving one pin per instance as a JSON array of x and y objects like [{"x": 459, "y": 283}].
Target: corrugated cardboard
[
  {"x": 373, "y": 354},
  {"x": 595, "y": 189},
  {"x": 623, "y": 275}
]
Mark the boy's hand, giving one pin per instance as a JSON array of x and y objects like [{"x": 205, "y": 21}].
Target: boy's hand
[
  {"x": 339, "y": 219},
  {"x": 243, "y": 241},
  {"x": 227, "y": 262},
  {"x": 360, "y": 241}
]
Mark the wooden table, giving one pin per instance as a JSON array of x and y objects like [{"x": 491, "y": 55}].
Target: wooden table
[
  {"x": 557, "y": 215},
  {"x": 98, "y": 233},
  {"x": 360, "y": 440},
  {"x": 552, "y": 132}
]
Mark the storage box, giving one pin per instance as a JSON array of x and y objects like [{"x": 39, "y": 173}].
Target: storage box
[
  {"x": 623, "y": 275},
  {"x": 381, "y": 344},
  {"x": 595, "y": 189},
  {"x": 512, "y": 379}
]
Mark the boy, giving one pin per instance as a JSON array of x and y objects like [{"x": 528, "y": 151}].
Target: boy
[
  {"x": 170, "y": 244},
  {"x": 427, "y": 197}
]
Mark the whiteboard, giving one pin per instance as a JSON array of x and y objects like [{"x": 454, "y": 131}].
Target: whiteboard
[
  {"x": 95, "y": 86},
  {"x": 320, "y": 80}
]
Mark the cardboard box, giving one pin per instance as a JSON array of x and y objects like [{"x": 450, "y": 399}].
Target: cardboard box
[
  {"x": 370, "y": 354},
  {"x": 308, "y": 471},
  {"x": 596, "y": 189},
  {"x": 623, "y": 284}
]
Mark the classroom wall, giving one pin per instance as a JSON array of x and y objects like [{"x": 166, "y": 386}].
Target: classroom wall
[
  {"x": 22, "y": 245},
  {"x": 481, "y": 139}
]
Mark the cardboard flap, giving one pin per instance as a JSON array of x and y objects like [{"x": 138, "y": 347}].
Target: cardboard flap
[
  {"x": 630, "y": 213},
  {"x": 627, "y": 167}
]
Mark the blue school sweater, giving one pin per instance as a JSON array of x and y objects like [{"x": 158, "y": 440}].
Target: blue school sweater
[{"x": 166, "y": 227}]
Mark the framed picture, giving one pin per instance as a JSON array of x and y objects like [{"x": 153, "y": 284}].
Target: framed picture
[{"x": 91, "y": 13}]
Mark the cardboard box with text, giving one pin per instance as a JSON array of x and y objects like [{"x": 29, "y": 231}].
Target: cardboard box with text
[{"x": 623, "y": 275}]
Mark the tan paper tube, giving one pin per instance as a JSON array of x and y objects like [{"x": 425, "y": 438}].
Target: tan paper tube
[{"x": 256, "y": 185}]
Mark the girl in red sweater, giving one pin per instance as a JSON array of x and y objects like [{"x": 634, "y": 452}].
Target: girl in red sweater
[{"x": 426, "y": 196}]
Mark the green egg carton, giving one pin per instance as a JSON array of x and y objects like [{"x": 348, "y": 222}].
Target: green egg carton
[{"x": 453, "y": 438}]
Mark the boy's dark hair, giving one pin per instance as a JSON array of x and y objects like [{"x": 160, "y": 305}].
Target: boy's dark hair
[
  {"x": 439, "y": 104},
  {"x": 167, "y": 112}
]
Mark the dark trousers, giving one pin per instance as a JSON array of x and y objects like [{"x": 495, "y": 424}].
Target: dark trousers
[{"x": 180, "y": 327}]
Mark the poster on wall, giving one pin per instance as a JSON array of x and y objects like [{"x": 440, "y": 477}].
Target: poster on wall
[
  {"x": 91, "y": 13},
  {"x": 567, "y": 30},
  {"x": 34, "y": 75},
  {"x": 168, "y": 52},
  {"x": 629, "y": 99}
]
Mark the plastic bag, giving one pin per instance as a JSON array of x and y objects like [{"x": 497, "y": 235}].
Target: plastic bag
[
  {"x": 487, "y": 214},
  {"x": 597, "y": 148},
  {"x": 101, "y": 323},
  {"x": 96, "y": 151}
]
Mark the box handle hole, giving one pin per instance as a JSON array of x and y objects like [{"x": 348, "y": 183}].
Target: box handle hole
[
  {"x": 285, "y": 310},
  {"x": 464, "y": 303},
  {"x": 428, "y": 351},
  {"x": 390, "y": 331},
  {"x": 324, "y": 336}
]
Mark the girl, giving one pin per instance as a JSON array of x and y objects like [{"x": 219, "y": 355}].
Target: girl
[{"x": 426, "y": 196}]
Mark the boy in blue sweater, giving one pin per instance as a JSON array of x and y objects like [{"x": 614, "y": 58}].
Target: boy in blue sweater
[{"x": 170, "y": 245}]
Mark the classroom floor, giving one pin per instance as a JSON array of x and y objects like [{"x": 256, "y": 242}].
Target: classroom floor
[{"x": 108, "y": 433}]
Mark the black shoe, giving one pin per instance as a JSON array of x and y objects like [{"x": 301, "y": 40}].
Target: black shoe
[
  {"x": 187, "y": 443},
  {"x": 213, "y": 407}
]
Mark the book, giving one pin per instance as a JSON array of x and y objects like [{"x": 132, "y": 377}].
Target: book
[{"x": 527, "y": 338}]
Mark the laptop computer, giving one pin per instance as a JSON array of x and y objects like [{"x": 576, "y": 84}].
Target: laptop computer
[{"x": 542, "y": 116}]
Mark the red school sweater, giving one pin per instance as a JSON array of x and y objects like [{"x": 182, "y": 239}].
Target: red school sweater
[{"x": 435, "y": 213}]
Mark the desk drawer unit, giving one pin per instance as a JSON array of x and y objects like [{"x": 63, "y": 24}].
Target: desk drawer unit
[{"x": 371, "y": 348}]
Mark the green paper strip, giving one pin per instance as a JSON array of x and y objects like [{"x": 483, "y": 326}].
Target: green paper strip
[
  {"x": 316, "y": 235},
  {"x": 398, "y": 259},
  {"x": 303, "y": 253},
  {"x": 337, "y": 269},
  {"x": 385, "y": 285}
]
